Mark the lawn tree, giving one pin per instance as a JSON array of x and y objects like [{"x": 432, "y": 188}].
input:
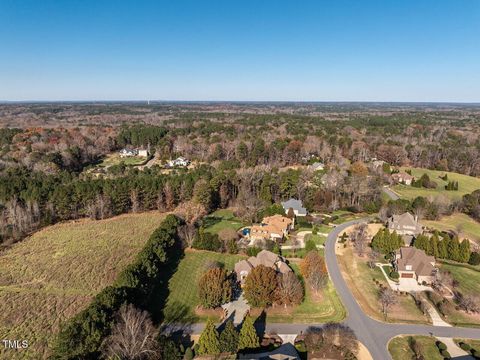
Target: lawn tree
[
  {"x": 467, "y": 303},
  {"x": 209, "y": 342},
  {"x": 229, "y": 338},
  {"x": 248, "y": 338},
  {"x": 133, "y": 336},
  {"x": 416, "y": 347},
  {"x": 289, "y": 289},
  {"x": 261, "y": 286},
  {"x": 215, "y": 288},
  {"x": 187, "y": 234},
  {"x": 464, "y": 251},
  {"x": 359, "y": 237},
  {"x": 191, "y": 211},
  {"x": 314, "y": 270},
  {"x": 372, "y": 257},
  {"x": 474, "y": 258},
  {"x": 387, "y": 298},
  {"x": 453, "y": 249}
]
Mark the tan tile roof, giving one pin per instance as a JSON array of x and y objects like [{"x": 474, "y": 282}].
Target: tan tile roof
[
  {"x": 276, "y": 224},
  {"x": 420, "y": 262}
]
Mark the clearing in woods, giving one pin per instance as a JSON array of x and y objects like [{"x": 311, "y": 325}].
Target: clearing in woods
[{"x": 53, "y": 274}]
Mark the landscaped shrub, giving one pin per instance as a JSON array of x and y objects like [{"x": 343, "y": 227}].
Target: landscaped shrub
[
  {"x": 310, "y": 245},
  {"x": 207, "y": 241},
  {"x": 474, "y": 258},
  {"x": 465, "y": 346},
  {"x": 394, "y": 275},
  {"x": 445, "y": 354},
  {"x": 441, "y": 346},
  {"x": 476, "y": 353}
]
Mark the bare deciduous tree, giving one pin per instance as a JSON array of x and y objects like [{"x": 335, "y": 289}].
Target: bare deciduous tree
[
  {"x": 133, "y": 336},
  {"x": 387, "y": 298},
  {"x": 289, "y": 290},
  {"x": 359, "y": 237}
]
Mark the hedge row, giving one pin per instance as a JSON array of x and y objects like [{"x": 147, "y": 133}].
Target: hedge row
[{"x": 81, "y": 336}]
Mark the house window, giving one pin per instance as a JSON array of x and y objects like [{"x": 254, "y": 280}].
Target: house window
[{"x": 408, "y": 267}]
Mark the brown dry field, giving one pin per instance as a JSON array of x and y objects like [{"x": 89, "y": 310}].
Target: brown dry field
[{"x": 54, "y": 273}]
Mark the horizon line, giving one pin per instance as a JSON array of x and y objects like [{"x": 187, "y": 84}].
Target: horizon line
[{"x": 31, "y": 101}]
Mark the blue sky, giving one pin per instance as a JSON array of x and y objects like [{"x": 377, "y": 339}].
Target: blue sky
[{"x": 390, "y": 50}]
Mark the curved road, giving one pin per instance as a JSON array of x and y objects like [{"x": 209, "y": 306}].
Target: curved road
[
  {"x": 372, "y": 333},
  {"x": 392, "y": 195}
]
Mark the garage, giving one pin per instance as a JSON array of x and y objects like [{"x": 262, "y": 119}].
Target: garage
[{"x": 407, "y": 275}]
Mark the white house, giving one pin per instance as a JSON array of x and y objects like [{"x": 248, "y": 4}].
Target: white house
[{"x": 181, "y": 161}]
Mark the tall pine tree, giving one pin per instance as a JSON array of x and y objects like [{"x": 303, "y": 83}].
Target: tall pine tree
[
  {"x": 464, "y": 251},
  {"x": 229, "y": 338},
  {"x": 209, "y": 342},
  {"x": 248, "y": 335},
  {"x": 453, "y": 249}
]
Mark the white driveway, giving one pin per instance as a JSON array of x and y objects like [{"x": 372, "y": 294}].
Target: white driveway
[{"x": 404, "y": 284}]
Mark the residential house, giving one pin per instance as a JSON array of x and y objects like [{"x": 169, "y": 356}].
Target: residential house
[
  {"x": 286, "y": 351},
  {"x": 128, "y": 153},
  {"x": 143, "y": 152},
  {"x": 404, "y": 224},
  {"x": 377, "y": 163},
  {"x": 403, "y": 178},
  {"x": 272, "y": 227},
  {"x": 317, "y": 166},
  {"x": 296, "y": 206},
  {"x": 411, "y": 262},
  {"x": 265, "y": 258},
  {"x": 181, "y": 161}
]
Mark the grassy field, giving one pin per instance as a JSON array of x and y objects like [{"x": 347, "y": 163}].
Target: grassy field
[
  {"x": 222, "y": 219},
  {"x": 469, "y": 279},
  {"x": 469, "y": 284},
  {"x": 466, "y": 185},
  {"x": 115, "y": 159},
  {"x": 50, "y": 276},
  {"x": 318, "y": 239},
  {"x": 469, "y": 228},
  {"x": 475, "y": 344},
  {"x": 362, "y": 281},
  {"x": 399, "y": 349},
  {"x": 183, "y": 298}
]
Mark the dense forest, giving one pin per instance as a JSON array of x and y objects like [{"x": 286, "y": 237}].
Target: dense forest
[{"x": 248, "y": 156}]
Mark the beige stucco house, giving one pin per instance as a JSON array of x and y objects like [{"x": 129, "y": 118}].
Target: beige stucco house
[{"x": 265, "y": 258}]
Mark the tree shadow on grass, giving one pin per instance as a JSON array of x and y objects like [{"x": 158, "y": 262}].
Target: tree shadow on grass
[{"x": 156, "y": 302}]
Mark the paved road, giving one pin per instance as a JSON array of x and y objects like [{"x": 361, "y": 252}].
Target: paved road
[
  {"x": 390, "y": 193},
  {"x": 372, "y": 333}
]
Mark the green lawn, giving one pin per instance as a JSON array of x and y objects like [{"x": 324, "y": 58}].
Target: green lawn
[
  {"x": 115, "y": 159},
  {"x": 469, "y": 227},
  {"x": 469, "y": 279},
  {"x": 475, "y": 344},
  {"x": 183, "y": 298},
  {"x": 222, "y": 219},
  {"x": 318, "y": 239},
  {"x": 400, "y": 350},
  {"x": 323, "y": 228},
  {"x": 466, "y": 184}
]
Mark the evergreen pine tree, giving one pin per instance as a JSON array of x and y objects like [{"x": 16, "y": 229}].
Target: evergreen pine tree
[
  {"x": 453, "y": 249},
  {"x": 248, "y": 338},
  {"x": 229, "y": 338},
  {"x": 464, "y": 250},
  {"x": 188, "y": 354},
  {"x": 442, "y": 249},
  {"x": 434, "y": 246},
  {"x": 209, "y": 343}
]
